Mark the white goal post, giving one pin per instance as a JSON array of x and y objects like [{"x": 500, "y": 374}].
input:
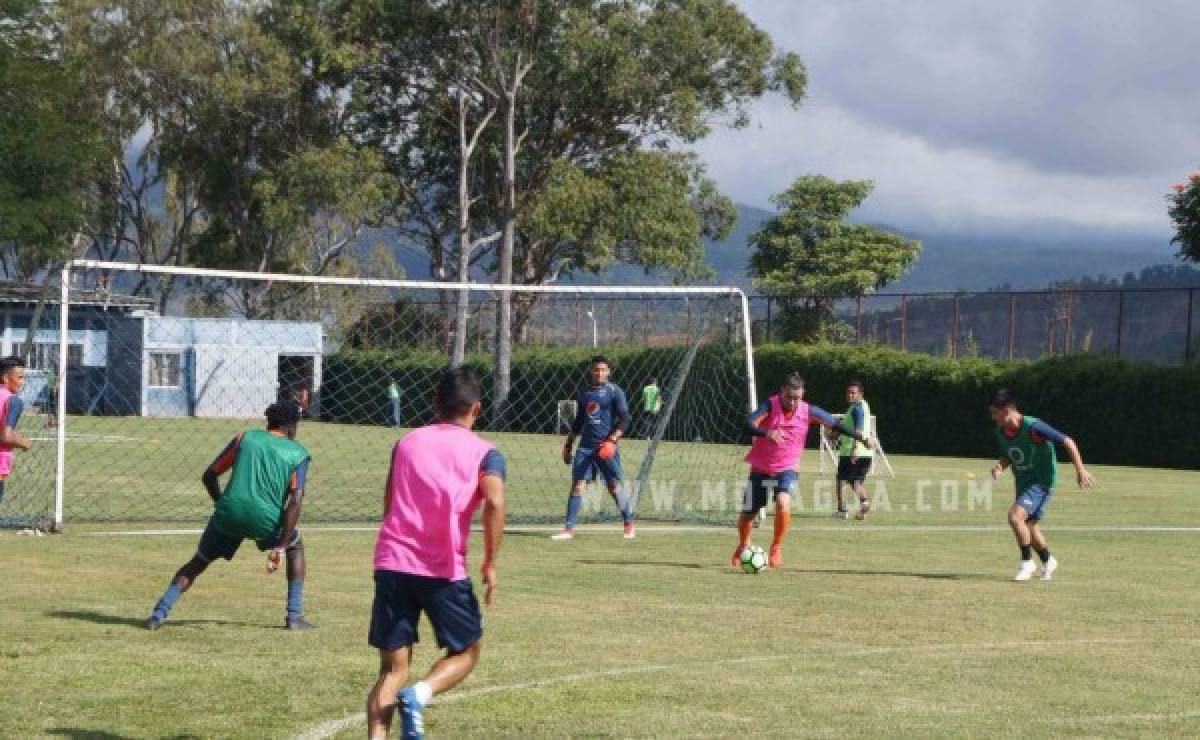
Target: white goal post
[{"x": 196, "y": 369}]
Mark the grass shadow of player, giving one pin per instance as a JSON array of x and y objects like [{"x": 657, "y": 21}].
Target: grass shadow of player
[
  {"x": 903, "y": 574},
  {"x": 76, "y": 733},
  {"x": 648, "y": 563},
  {"x": 96, "y": 617}
]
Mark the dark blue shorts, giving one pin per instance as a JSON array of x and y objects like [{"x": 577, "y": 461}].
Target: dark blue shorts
[
  {"x": 400, "y": 598},
  {"x": 1034, "y": 500},
  {"x": 587, "y": 466},
  {"x": 2, "y": 482},
  {"x": 216, "y": 544},
  {"x": 853, "y": 471},
  {"x": 759, "y": 485}
]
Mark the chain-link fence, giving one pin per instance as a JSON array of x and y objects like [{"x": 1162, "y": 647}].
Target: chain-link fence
[
  {"x": 155, "y": 389},
  {"x": 1148, "y": 324}
]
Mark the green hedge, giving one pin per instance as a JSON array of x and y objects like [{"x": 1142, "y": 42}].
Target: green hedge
[
  {"x": 354, "y": 384},
  {"x": 1119, "y": 412}
]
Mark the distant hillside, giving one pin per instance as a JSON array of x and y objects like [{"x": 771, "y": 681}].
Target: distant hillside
[{"x": 948, "y": 262}]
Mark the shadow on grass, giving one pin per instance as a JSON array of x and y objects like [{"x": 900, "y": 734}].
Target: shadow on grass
[
  {"x": 651, "y": 563},
  {"x": 140, "y": 622},
  {"x": 77, "y": 734},
  {"x": 902, "y": 574}
]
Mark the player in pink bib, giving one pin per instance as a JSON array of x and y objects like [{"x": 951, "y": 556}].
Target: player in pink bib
[
  {"x": 779, "y": 427},
  {"x": 440, "y": 475},
  {"x": 12, "y": 377}
]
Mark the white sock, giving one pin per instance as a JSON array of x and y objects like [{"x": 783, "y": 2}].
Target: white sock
[{"x": 423, "y": 691}]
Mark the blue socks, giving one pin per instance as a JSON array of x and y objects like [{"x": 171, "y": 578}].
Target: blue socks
[
  {"x": 169, "y": 597},
  {"x": 295, "y": 599},
  {"x": 574, "y": 504}
]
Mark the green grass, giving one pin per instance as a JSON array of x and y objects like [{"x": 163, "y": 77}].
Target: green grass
[{"x": 905, "y": 626}]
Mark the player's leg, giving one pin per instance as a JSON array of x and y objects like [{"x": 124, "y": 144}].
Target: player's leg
[
  {"x": 297, "y": 569},
  {"x": 753, "y": 500},
  {"x": 213, "y": 545},
  {"x": 1037, "y": 538},
  {"x": 1018, "y": 520},
  {"x": 381, "y": 702},
  {"x": 785, "y": 486},
  {"x": 582, "y": 466},
  {"x": 395, "y": 611},
  {"x": 457, "y": 621},
  {"x": 842, "y": 477},
  {"x": 860, "y": 488},
  {"x": 610, "y": 470}
]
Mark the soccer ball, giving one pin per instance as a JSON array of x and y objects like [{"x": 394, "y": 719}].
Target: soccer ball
[{"x": 754, "y": 559}]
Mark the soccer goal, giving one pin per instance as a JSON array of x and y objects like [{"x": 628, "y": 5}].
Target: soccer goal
[{"x": 161, "y": 367}]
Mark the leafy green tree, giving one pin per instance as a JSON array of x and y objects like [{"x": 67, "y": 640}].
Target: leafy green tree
[
  {"x": 807, "y": 257},
  {"x": 588, "y": 94},
  {"x": 49, "y": 151},
  {"x": 1184, "y": 210}
]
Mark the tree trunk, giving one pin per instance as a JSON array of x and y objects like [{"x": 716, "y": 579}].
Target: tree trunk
[{"x": 503, "y": 365}]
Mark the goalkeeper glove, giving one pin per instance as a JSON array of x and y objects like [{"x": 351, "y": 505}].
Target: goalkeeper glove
[{"x": 607, "y": 450}]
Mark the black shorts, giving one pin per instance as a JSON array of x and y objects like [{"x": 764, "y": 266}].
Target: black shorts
[
  {"x": 216, "y": 544},
  {"x": 853, "y": 471},
  {"x": 400, "y": 598}
]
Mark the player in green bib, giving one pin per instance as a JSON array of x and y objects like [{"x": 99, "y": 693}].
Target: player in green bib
[
  {"x": 1026, "y": 445},
  {"x": 652, "y": 402},
  {"x": 261, "y": 501},
  {"x": 854, "y": 457}
]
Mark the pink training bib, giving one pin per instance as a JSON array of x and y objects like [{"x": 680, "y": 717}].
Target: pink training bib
[
  {"x": 768, "y": 457},
  {"x": 433, "y": 491}
]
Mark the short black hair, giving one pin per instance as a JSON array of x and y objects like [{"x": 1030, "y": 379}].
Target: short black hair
[
  {"x": 283, "y": 415},
  {"x": 793, "y": 381},
  {"x": 856, "y": 383},
  {"x": 458, "y": 389},
  {"x": 1003, "y": 398},
  {"x": 8, "y": 363},
  {"x": 598, "y": 359}
]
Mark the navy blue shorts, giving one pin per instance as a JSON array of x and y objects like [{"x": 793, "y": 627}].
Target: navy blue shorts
[
  {"x": 1033, "y": 500},
  {"x": 216, "y": 544},
  {"x": 586, "y": 466},
  {"x": 2, "y": 482},
  {"x": 400, "y": 598},
  {"x": 757, "y": 489}
]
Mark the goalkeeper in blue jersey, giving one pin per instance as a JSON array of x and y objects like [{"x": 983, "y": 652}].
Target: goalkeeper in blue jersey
[{"x": 601, "y": 418}]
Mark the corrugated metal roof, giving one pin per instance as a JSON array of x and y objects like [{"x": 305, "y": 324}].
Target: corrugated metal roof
[{"x": 12, "y": 292}]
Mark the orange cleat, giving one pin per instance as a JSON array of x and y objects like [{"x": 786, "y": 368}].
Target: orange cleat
[{"x": 736, "y": 560}]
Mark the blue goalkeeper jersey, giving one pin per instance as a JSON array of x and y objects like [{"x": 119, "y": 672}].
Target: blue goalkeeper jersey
[{"x": 601, "y": 409}]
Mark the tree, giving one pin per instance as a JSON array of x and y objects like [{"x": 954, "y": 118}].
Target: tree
[
  {"x": 49, "y": 151},
  {"x": 1184, "y": 210},
  {"x": 589, "y": 93},
  {"x": 241, "y": 158},
  {"x": 807, "y": 257}
]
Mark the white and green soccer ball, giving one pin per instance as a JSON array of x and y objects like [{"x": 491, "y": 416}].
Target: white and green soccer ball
[{"x": 754, "y": 559}]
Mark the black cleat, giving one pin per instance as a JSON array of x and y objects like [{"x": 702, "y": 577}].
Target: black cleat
[
  {"x": 299, "y": 623},
  {"x": 153, "y": 623}
]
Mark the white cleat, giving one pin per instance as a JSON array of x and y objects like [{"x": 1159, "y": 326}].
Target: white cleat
[
  {"x": 566, "y": 534},
  {"x": 1049, "y": 568},
  {"x": 1026, "y": 571}
]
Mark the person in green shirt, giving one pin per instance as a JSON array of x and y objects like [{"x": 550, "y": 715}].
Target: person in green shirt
[
  {"x": 393, "y": 394},
  {"x": 1026, "y": 445},
  {"x": 854, "y": 457},
  {"x": 261, "y": 501},
  {"x": 652, "y": 402}
]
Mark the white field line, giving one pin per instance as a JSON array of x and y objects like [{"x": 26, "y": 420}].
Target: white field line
[
  {"x": 335, "y": 726},
  {"x": 89, "y": 437},
  {"x": 722, "y": 530}
]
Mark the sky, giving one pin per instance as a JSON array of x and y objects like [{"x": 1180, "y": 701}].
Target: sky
[{"x": 1056, "y": 117}]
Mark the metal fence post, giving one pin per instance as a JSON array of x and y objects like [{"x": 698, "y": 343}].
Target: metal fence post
[{"x": 903, "y": 319}]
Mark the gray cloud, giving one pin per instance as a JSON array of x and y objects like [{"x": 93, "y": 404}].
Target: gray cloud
[{"x": 970, "y": 113}]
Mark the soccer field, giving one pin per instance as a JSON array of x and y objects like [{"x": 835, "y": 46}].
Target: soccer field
[{"x": 904, "y": 625}]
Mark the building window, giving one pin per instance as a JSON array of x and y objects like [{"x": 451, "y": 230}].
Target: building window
[
  {"x": 166, "y": 370},
  {"x": 45, "y": 356}
]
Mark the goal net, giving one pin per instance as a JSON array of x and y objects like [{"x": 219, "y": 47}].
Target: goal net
[{"x": 161, "y": 367}]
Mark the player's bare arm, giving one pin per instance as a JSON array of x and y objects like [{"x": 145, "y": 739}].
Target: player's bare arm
[
  {"x": 1082, "y": 476},
  {"x": 492, "y": 487}
]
